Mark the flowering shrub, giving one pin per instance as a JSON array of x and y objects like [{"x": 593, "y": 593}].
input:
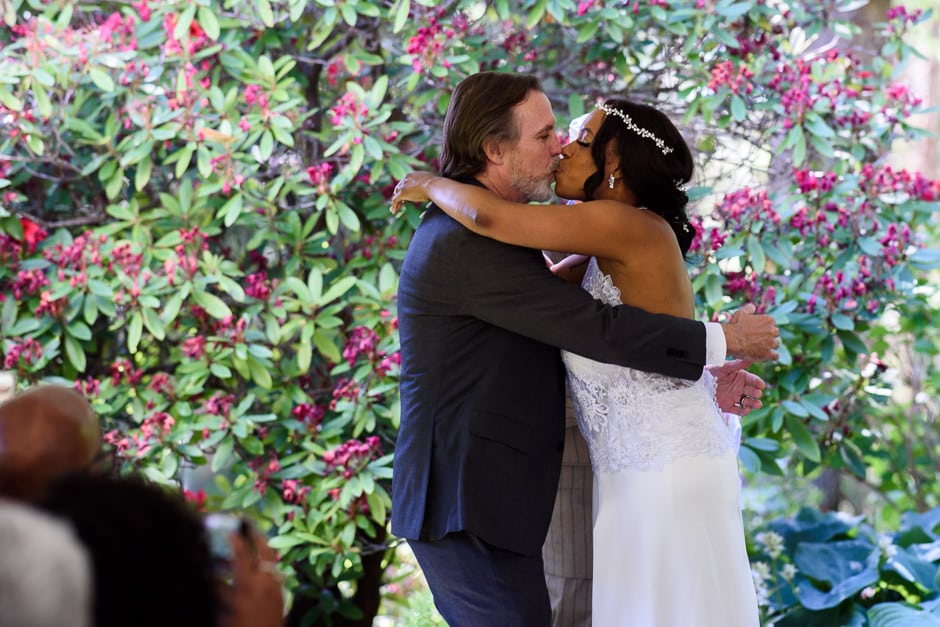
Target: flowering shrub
[{"x": 194, "y": 231}]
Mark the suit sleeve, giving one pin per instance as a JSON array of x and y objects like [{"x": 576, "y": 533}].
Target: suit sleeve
[{"x": 510, "y": 287}]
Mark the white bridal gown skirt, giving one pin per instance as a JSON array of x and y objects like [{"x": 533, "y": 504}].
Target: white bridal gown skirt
[{"x": 669, "y": 547}]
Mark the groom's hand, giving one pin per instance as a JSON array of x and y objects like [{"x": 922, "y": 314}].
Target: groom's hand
[
  {"x": 752, "y": 336},
  {"x": 737, "y": 391}
]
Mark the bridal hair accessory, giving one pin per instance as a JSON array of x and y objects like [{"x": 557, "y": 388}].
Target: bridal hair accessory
[
  {"x": 642, "y": 132},
  {"x": 682, "y": 187},
  {"x": 610, "y": 181}
]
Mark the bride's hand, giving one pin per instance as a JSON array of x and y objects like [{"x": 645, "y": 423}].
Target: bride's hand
[
  {"x": 571, "y": 268},
  {"x": 412, "y": 188}
]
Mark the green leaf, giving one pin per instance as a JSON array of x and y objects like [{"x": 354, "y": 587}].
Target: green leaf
[
  {"x": 34, "y": 141},
  {"x": 209, "y": 22},
  {"x": 153, "y": 323},
  {"x": 213, "y": 305},
  {"x": 79, "y": 330},
  {"x": 173, "y": 305},
  {"x": 135, "y": 329},
  {"x": 21, "y": 327},
  {"x": 337, "y": 289},
  {"x": 799, "y": 146},
  {"x": 94, "y": 164},
  {"x": 348, "y": 217},
  {"x": 853, "y": 458},
  {"x": 376, "y": 507},
  {"x": 349, "y": 14},
  {"x": 852, "y": 342},
  {"x": 388, "y": 279},
  {"x": 304, "y": 356},
  {"x": 756, "y": 253},
  {"x": 279, "y": 543},
  {"x": 266, "y": 68},
  {"x": 114, "y": 185},
  {"x": 296, "y": 10},
  {"x": 763, "y": 444},
  {"x": 8, "y": 100},
  {"x": 815, "y": 125},
  {"x": 142, "y": 176},
  {"x": 265, "y": 12},
  {"x": 231, "y": 210},
  {"x": 90, "y": 309},
  {"x": 842, "y": 322},
  {"x": 587, "y": 31},
  {"x": 259, "y": 373},
  {"x": 185, "y": 156},
  {"x": 348, "y": 534},
  {"x": 326, "y": 346},
  {"x": 795, "y": 408},
  {"x": 75, "y": 353},
  {"x": 738, "y": 108},
  {"x": 265, "y": 146},
  {"x": 732, "y": 12},
  {"x": 749, "y": 459},
  {"x": 898, "y": 614},
  {"x": 102, "y": 79},
  {"x": 399, "y": 14},
  {"x": 221, "y": 371},
  {"x": 299, "y": 289},
  {"x": 204, "y": 162},
  {"x": 803, "y": 438},
  {"x": 185, "y": 20},
  {"x": 713, "y": 290},
  {"x": 42, "y": 101},
  {"x": 222, "y": 454},
  {"x": 926, "y": 259},
  {"x": 535, "y": 14}
]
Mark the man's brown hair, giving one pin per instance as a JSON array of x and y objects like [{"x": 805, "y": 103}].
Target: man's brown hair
[{"x": 480, "y": 109}]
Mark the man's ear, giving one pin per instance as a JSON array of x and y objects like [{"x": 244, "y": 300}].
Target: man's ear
[{"x": 493, "y": 149}]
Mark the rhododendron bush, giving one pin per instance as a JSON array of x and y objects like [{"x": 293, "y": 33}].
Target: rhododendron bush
[{"x": 194, "y": 231}]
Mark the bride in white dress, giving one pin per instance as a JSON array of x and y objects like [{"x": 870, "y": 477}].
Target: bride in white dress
[{"x": 668, "y": 535}]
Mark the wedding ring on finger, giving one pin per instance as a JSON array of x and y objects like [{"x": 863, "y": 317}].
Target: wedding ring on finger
[{"x": 740, "y": 402}]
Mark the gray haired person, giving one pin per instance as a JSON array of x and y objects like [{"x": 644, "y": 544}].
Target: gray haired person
[{"x": 45, "y": 572}]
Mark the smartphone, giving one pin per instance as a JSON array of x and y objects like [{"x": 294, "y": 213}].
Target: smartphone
[{"x": 219, "y": 528}]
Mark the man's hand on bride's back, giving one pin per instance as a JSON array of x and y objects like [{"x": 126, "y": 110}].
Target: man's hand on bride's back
[{"x": 752, "y": 336}]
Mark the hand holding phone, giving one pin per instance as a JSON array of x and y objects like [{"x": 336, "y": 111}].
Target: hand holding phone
[{"x": 255, "y": 596}]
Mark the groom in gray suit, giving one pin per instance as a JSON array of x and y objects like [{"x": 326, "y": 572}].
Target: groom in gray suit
[{"x": 482, "y": 382}]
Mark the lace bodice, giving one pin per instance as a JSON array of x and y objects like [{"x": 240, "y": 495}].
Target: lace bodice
[{"x": 635, "y": 419}]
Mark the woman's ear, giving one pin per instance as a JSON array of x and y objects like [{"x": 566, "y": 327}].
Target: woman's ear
[{"x": 612, "y": 160}]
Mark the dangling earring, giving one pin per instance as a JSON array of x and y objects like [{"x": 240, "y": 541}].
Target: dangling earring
[{"x": 610, "y": 181}]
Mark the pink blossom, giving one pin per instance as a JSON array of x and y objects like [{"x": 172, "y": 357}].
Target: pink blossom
[{"x": 194, "y": 347}]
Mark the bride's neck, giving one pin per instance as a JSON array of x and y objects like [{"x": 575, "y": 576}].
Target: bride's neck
[{"x": 620, "y": 193}]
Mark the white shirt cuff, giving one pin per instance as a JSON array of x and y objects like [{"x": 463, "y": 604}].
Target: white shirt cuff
[{"x": 716, "y": 349}]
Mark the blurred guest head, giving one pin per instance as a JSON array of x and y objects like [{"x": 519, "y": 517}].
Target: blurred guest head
[
  {"x": 45, "y": 573},
  {"x": 45, "y": 432}
]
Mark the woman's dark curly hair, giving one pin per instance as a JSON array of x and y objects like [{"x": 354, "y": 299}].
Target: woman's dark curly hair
[{"x": 655, "y": 178}]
